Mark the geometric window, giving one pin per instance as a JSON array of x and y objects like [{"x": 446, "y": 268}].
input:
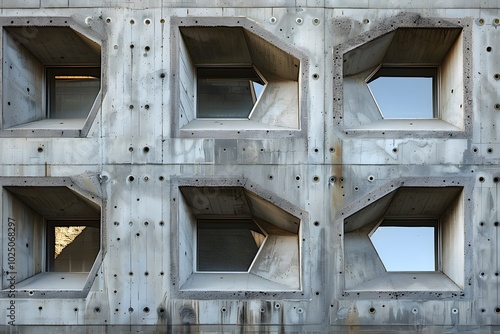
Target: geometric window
[
  {"x": 407, "y": 245},
  {"x": 405, "y": 92},
  {"x": 405, "y": 79},
  {"x": 227, "y": 92},
  {"x": 51, "y": 81},
  {"x": 410, "y": 239},
  {"x": 231, "y": 239},
  {"x": 227, "y": 244},
  {"x": 71, "y": 91},
  {"x": 232, "y": 79},
  {"x": 58, "y": 237}
]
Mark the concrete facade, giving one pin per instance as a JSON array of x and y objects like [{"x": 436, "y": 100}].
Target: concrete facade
[{"x": 315, "y": 167}]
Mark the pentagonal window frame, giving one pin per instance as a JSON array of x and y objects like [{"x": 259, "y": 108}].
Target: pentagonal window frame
[
  {"x": 189, "y": 199},
  {"x": 356, "y": 109},
  {"x": 36, "y": 121},
  {"x": 20, "y": 210},
  {"x": 281, "y": 109},
  {"x": 364, "y": 273}
]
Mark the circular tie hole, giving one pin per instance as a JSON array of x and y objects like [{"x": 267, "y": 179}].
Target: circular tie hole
[{"x": 489, "y": 48}]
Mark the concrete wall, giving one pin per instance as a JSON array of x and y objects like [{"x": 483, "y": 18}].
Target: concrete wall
[{"x": 321, "y": 171}]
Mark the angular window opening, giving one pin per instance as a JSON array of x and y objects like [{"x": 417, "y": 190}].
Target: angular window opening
[
  {"x": 407, "y": 245},
  {"x": 230, "y": 78},
  {"x": 231, "y": 239},
  {"x": 71, "y": 91},
  {"x": 227, "y": 244},
  {"x": 58, "y": 237},
  {"x": 410, "y": 239},
  {"x": 405, "y": 93},
  {"x": 227, "y": 92},
  {"x": 51, "y": 81},
  {"x": 72, "y": 246},
  {"x": 407, "y": 79}
]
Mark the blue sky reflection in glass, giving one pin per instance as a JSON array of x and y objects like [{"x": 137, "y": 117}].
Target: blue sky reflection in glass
[
  {"x": 403, "y": 248},
  {"x": 403, "y": 97}
]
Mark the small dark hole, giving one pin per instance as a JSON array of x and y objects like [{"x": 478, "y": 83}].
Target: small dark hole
[
  {"x": 131, "y": 178},
  {"x": 40, "y": 149},
  {"x": 147, "y": 48},
  {"x": 162, "y": 75},
  {"x": 97, "y": 310},
  {"x": 481, "y": 179},
  {"x": 316, "y": 223},
  {"x": 372, "y": 310},
  {"x": 145, "y": 149},
  {"x": 489, "y": 48},
  {"x": 146, "y": 309},
  {"x": 132, "y": 46}
]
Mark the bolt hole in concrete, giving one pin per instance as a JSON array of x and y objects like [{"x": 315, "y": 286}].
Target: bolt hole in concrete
[
  {"x": 272, "y": 20},
  {"x": 108, "y": 20},
  {"x": 481, "y": 179},
  {"x": 315, "y": 76},
  {"x": 132, "y": 21},
  {"x": 316, "y": 223},
  {"x": 454, "y": 311},
  {"x": 40, "y": 149},
  {"x": 497, "y": 106},
  {"x": 372, "y": 310},
  {"x": 277, "y": 306},
  {"x": 316, "y": 179},
  {"x": 332, "y": 179},
  {"x": 147, "y": 21},
  {"x": 297, "y": 177},
  {"x": 131, "y": 178},
  {"x": 489, "y": 150},
  {"x": 496, "y": 179},
  {"x": 414, "y": 310},
  {"x": 146, "y": 309},
  {"x": 489, "y": 48},
  {"x": 497, "y": 76},
  {"x": 145, "y": 149},
  {"x": 223, "y": 310}
]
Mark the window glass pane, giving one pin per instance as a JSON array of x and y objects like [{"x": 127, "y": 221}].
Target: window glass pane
[
  {"x": 227, "y": 92},
  {"x": 74, "y": 96},
  {"x": 224, "y": 98},
  {"x": 227, "y": 246},
  {"x": 76, "y": 248},
  {"x": 403, "y": 248},
  {"x": 404, "y": 97}
]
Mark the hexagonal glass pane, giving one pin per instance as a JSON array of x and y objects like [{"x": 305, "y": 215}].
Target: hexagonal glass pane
[
  {"x": 227, "y": 244},
  {"x": 404, "y": 93},
  {"x": 227, "y": 92},
  {"x": 406, "y": 248}
]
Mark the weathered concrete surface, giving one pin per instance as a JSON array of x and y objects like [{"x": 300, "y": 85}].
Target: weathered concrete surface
[{"x": 136, "y": 159}]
